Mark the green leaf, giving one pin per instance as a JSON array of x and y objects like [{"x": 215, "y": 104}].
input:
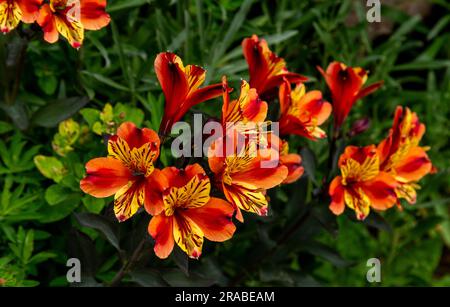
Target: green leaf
[
  {"x": 106, "y": 81},
  {"x": 90, "y": 116},
  {"x": 102, "y": 224},
  {"x": 50, "y": 167},
  {"x": 5, "y": 127},
  {"x": 147, "y": 278},
  {"x": 41, "y": 257},
  {"x": 309, "y": 163},
  {"x": 325, "y": 252},
  {"x": 50, "y": 214},
  {"x": 126, "y": 5},
  {"x": 52, "y": 114},
  {"x": 181, "y": 260},
  {"x": 48, "y": 84},
  {"x": 93, "y": 204},
  {"x": 56, "y": 194},
  {"x": 28, "y": 246}
]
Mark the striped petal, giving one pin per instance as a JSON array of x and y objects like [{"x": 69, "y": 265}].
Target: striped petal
[
  {"x": 128, "y": 199},
  {"x": 250, "y": 200},
  {"x": 10, "y": 16},
  {"x": 188, "y": 236}
]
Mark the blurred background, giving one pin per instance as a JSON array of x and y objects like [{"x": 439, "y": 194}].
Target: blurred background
[{"x": 67, "y": 100}]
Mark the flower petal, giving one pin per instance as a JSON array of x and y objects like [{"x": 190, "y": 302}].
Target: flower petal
[
  {"x": 188, "y": 236},
  {"x": 161, "y": 230},
  {"x": 93, "y": 14},
  {"x": 30, "y": 9},
  {"x": 381, "y": 191},
  {"x": 180, "y": 177},
  {"x": 48, "y": 24},
  {"x": 70, "y": 28},
  {"x": 155, "y": 186},
  {"x": 215, "y": 219},
  {"x": 128, "y": 199},
  {"x": 336, "y": 192},
  {"x": 170, "y": 72},
  {"x": 104, "y": 177},
  {"x": 293, "y": 163},
  {"x": 136, "y": 137},
  {"x": 259, "y": 177},
  {"x": 250, "y": 200},
  {"x": 10, "y": 16},
  {"x": 414, "y": 166},
  {"x": 192, "y": 195}
]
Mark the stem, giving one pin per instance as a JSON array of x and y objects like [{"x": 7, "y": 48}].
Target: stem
[
  {"x": 128, "y": 266},
  {"x": 334, "y": 138}
]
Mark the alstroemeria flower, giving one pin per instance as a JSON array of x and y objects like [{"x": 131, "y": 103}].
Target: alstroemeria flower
[
  {"x": 181, "y": 87},
  {"x": 243, "y": 175},
  {"x": 402, "y": 157},
  {"x": 361, "y": 185},
  {"x": 127, "y": 173},
  {"x": 302, "y": 112},
  {"x": 247, "y": 108},
  {"x": 71, "y": 18},
  {"x": 346, "y": 86},
  {"x": 293, "y": 162},
  {"x": 190, "y": 213},
  {"x": 266, "y": 69},
  {"x": 12, "y": 12}
]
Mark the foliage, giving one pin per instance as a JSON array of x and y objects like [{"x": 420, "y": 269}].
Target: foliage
[{"x": 69, "y": 99}]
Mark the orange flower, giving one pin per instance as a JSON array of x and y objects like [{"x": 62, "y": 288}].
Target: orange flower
[
  {"x": 266, "y": 69},
  {"x": 402, "y": 157},
  {"x": 70, "y": 18},
  {"x": 302, "y": 113},
  {"x": 128, "y": 171},
  {"x": 242, "y": 174},
  {"x": 189, "y": 213},
  {"x": 14, "y": 11},
  {"x": 248, "y": 108},
  {"x": 346, "y": 86},
  {"x": 361, "y": 185},
  {"x": 180, "y": 85},
  {"x": 293, "y": 162}
]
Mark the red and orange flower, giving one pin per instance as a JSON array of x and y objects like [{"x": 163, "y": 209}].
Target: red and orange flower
[
  {"x": 266, "y": 69},
  {"x": 128, "y": 172},
  {"x": 71, "y": 18},
  {"x": 362, "y": 185},
  {"x": 402, "y": 157},
  {"x": 247, "y": 108},
  {"x": 302, "y": 112},
  {"x": 12, "y": 12},
  {"x": 244, "y": 172},
  {"x": 180, "y": 85},
  {"x": 190, "y": 213},
  {"x": 293, "y": 162},
  {"x": 346, "y": 86}
]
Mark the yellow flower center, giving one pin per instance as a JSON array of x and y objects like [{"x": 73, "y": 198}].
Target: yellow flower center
[
  {"x": 352, "y": 171},
  {"x": 193, "y": 195},
  {"x": 238, "y": 163}
]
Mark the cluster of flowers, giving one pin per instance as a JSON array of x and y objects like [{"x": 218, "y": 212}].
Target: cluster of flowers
[
  {"x": 379, "y": 176},
  {"x": 70, "y": 18},
  {"x": 179, "y": 200}
]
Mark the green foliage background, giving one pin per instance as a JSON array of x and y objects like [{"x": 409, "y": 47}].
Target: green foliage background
[{"x": 45, "y": 219}]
